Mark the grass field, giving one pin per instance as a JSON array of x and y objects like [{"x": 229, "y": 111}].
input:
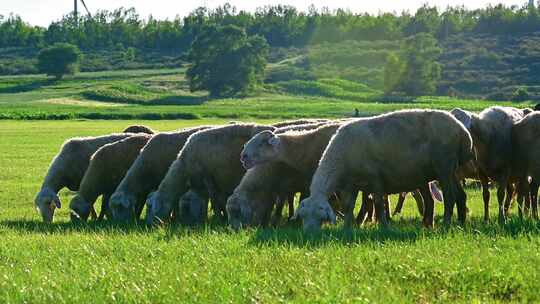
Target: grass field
[{"x": 64, "y": 263}]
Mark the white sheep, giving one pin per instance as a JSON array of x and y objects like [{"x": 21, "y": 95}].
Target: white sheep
[
  {"x": 392, "y": 153},
  {"x": 67, "y": 170}
]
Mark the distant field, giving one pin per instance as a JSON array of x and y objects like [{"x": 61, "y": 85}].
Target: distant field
[
  {"x": 64, "y": 263},
  {"x": 164, "y": 94}
]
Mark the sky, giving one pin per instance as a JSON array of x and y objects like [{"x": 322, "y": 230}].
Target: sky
[{"x": 43, "y": 12}]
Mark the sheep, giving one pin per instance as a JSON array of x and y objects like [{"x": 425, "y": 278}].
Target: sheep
[
  {"x": 146, "y": 173},
  {"x": 289, "y": 123},
  {"x": 300, "y": 150},
  {"x": 253, "y": 199},
  {"x": 139, "y": 129},
  {"x": 392, "y": 153},
  {"x": 525, "y": 161},
  {"x": 106, "y": 169},
  {"x": 208, "y": 157},
  {"x": 491, "y": 131},
  {"x": 67, "y": 170}
]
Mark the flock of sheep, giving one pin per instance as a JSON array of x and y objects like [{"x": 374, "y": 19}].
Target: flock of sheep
[{"x": 249, "y": 172}]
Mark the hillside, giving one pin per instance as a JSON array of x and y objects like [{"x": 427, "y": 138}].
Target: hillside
[{"x": 474, "y": 66}]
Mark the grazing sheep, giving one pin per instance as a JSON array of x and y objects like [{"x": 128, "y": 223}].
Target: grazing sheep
[
  {"x": 208, "y": 157},
  {"x": 300, "y": 150},
  {"x": 491, "y": 131},
  {"x": 289, "y": 123},
  {"x": 139, "y": 129},
  {"x": 106, "y": 169},
  {"x": 525, "y": 161},
  {"x": 397, "y": 152},
  {"x": 67, "y": 170},
  {"x": 147, "y": 171},
  {"x": 192, "y": 210},
  {"x": 261, "y": 187}
]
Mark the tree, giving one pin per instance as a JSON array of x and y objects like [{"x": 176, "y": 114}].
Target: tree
[
  {"x": 59, "y": 59},
  {"x": 393, "y": 71},
  {"x": 420, "y": 70},
  {"x": 226, "y": 61}
]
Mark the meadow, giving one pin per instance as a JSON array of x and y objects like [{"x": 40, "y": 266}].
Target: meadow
[{"x": 105, "y": 262}]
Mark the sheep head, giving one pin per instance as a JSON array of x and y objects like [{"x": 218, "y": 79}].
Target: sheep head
[
  {"x": 261, "y": 148},
  {"x": 122, "y": 206},
  {"x": 314, "y": 211},
  {"x": 80, "y": 209},
  {"x": 159, "y": 208},
  {"x": 239, "y": 212},
  {"x": 46, "y": 202},
  {"x": 192, "y": 209}
]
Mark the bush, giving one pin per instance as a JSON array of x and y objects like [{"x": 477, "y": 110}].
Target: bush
[{"x": 59, "y": 59}]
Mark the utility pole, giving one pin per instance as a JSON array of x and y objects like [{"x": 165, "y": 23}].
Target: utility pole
[{"x": 75, "y": 13}]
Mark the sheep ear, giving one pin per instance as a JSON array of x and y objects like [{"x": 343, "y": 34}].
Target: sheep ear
[
  {"x": 274, "y": 141},
  {"x": 57, "y": 203}
]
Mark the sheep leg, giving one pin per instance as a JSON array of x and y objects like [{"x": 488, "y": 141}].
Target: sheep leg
[
  {"x": 448, "y": 191},
  {"x": 501, "y": 193},
  {"x": 399, "y": 205},
  {"x": 534, "y": 198},
  {"x": 105, "y": 207},
  {"x": 364, "y": 209},
  {"x": 419, "y": 201},
  {"x": 380, "y": 210},
  {"x": 508, "y": 200},
  {"x": 428, "y": 206},
  {"x": 278, "y": 213},
  {"x": 387, "y": 207},
  {"x": 349, "y": 201},
  {"x": 484, "y": 181},
  {"x": 218, "y": 206},
  {"x": 461, "y": 201},
  {"x": 290, "y": 202}
]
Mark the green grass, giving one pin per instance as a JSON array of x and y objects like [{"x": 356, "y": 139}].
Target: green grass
[
  {"x": 65, "y": 263},
  {"x": 164, "y": 94}
]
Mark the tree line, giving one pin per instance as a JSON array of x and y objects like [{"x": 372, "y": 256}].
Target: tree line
[{"x": 280, "y": 25}]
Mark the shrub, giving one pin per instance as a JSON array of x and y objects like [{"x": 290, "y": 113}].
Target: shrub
[{"x": 59, "y": 59}]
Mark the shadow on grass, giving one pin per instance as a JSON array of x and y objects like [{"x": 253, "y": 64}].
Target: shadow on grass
[
  {"x": 401, "y": 230},
  {"x": 28, "y": 86},
  {"x": 407, "y": 230},
  {"x": 171, "y": 231}
]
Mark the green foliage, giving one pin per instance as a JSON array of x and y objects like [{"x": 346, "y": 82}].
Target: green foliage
[
  {"x": 416, "y": 70},
  {"x": 59, "y": 59},
  {"x": 226, "y": 61},
  {"x": 393, "y": 72},
  {"x": 521, "y": 94}
]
